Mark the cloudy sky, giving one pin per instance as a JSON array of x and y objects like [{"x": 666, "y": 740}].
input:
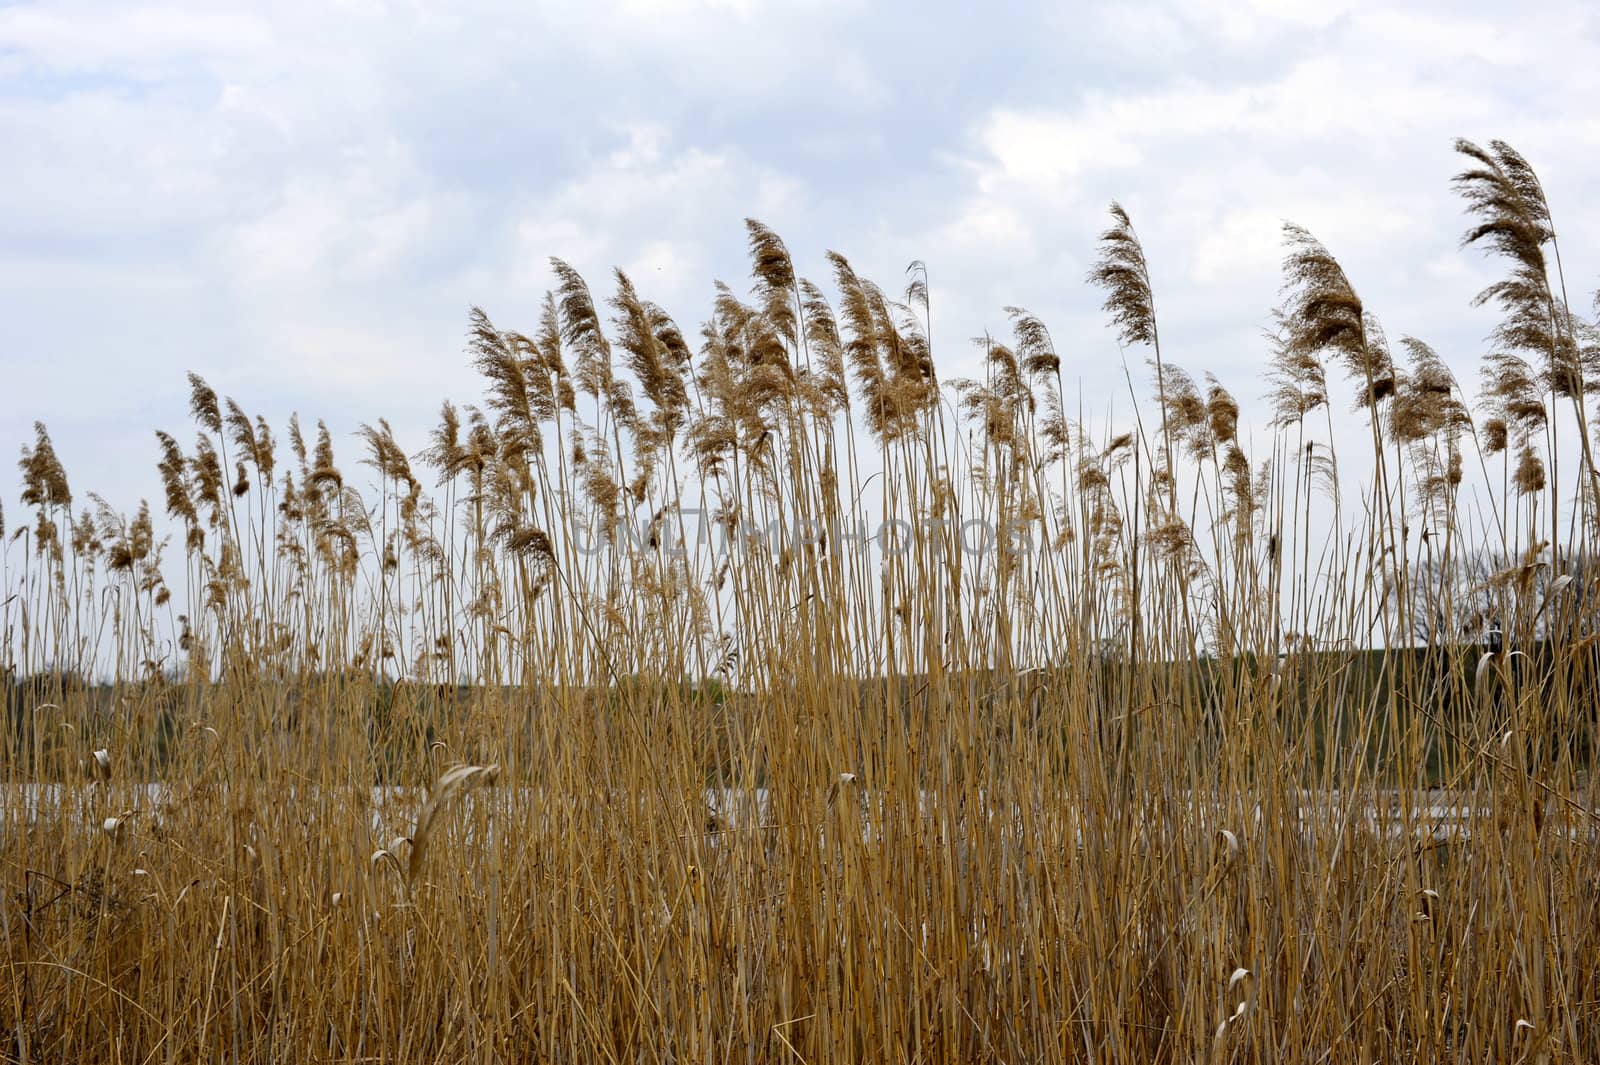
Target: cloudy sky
[{"x": 303, "y": 204}]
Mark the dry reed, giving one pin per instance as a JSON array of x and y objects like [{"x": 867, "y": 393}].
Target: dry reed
[{"x": 1190, "y": 757}]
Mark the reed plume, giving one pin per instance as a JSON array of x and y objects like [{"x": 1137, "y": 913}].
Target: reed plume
[
  {"x": 800, "y": 787},
  {"x": 1322, "y": 313},
  {"x": 1122, "y": 272},
  {"x": 44, "y": 479}
]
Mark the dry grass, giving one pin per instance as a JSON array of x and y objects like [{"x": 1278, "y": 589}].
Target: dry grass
[{"x": 412, "y": 773}]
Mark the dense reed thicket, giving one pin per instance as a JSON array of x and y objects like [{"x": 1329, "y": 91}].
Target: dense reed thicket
[{"x": 764, "y": 697}]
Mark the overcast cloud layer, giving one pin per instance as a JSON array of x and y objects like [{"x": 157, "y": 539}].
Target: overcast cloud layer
[{"x": 301, "y": 205}]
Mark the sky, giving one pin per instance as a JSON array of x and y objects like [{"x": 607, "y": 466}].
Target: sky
[{"x": 302, "y": 201}]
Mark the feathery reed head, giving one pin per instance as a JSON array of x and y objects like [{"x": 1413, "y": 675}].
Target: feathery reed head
[
  {"x": 1124, "y": 274},
  {"x": 44, "y": 479},
  {"x": 1323, "y": 313}
]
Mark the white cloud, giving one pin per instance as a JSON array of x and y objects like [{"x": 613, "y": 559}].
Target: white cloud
[
  {"x": 136, "y": 40},
  {"x": 1346, "y": 128},
  {"x": 305, "y": 199},
  {"x": 655, "y": 207}
]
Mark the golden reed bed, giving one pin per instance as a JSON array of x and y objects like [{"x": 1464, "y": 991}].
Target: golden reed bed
[{"x": 1192, "y": 684}]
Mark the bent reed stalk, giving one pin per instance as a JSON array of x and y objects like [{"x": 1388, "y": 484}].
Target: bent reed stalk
[{"x": 755, "y": 695}]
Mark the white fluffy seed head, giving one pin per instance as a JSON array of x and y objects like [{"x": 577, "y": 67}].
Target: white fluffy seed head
[
  {"x": 451, "y": 783},
  {"x": 1480, "y": 683},
  {"x": 1240, "y": 976},
  {"x": 1557, "y": 586},
  {"x": 1238, "y": 1013}
]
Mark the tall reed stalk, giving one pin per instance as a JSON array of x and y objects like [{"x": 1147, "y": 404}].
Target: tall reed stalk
[{"x": 752, "y": 693}]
